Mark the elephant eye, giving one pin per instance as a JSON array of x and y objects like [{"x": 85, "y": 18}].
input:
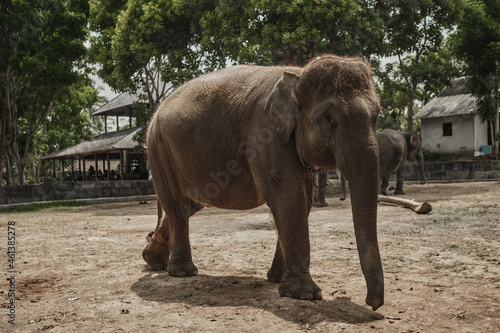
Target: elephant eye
[{"x": 329, "y": 118}]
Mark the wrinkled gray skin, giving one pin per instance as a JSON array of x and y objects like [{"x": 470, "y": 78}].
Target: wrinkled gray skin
[
  {"x": 395, "y": 149},
  {"x": 243, "y": 136}
]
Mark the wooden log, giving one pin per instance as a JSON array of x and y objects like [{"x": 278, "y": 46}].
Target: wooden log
[{"x": 418, "y": 207}]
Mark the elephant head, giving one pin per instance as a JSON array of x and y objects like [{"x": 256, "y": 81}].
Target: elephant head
[
  {"x": 332, "y": 109},
  {"x": 414, "y": 147}
]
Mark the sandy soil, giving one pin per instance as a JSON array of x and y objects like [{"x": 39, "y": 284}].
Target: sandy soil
[{"x": 80, "y": 270}]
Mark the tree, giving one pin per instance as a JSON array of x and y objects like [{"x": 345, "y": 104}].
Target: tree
[
  {"x": 41, "y": 56},
  {"x": 288, "y": 32},
  {"x": 415, "y": 31},
  {"x": 68, "y": 124},
  {"x": 145, "y": 45},
  {"x": 477, "y": 44},
  {"x": 434, "y": 71}
]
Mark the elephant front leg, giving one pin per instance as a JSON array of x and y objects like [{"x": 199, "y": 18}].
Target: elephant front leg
[
  {"x": 156, "y": 252},
  {"x": 296, "y": 281}
]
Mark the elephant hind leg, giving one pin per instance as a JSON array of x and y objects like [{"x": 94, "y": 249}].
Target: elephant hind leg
[
  {"x": 400, "y": 178},
  {"x": 384, "y": 183}
]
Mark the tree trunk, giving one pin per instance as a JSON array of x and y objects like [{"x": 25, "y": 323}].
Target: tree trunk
[
  {"x": 496, "y": 137},
  {"x": 420, "y": 157},
  {"x": 411, "y": 103}
]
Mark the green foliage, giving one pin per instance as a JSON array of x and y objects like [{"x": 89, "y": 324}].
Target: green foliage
[
  {"x": 415, "y": 32},
  {"x": 41, "y": 206},
  {"x": 41, "y": 57},
  {"x": 288, "y": 32},
  {"x": 477, "y": 44},
  {"x": 433, "y": 72},
  {"x": 144, "y": 38}
]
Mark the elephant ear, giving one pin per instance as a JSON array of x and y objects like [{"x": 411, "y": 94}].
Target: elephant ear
[{"x": 282, "y": 106}]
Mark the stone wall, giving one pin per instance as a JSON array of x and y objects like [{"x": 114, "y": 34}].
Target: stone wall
[
  {"x": 455, "y": 170},
  {"x": 14, "y": 194}
]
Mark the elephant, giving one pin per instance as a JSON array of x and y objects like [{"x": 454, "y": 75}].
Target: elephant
[
  {"x": 246, "y": 135},
  {"x": 320, "y": 194},
  {"x": 395, "y": 148}
]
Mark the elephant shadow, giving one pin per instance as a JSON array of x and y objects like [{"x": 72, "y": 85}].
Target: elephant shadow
[{"x": 236, "y": 291}]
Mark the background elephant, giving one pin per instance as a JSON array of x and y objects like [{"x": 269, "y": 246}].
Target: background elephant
[
  {"x": 247, "y": 135},
  {"x": 322, "y": 182},
  {"x": 395, "y": 149}
]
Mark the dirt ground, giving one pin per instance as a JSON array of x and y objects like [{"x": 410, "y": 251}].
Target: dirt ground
[{"x": 80, "y": 269}]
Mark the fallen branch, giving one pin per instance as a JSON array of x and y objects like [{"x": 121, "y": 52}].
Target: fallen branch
[{"x": 418, "y": 207}]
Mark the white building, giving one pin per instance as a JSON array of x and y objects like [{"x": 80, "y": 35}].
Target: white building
[{"x": 450, "y": 125}]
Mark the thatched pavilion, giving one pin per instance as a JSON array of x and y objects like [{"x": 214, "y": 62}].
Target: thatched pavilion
[{"x": 95, "y": 157}]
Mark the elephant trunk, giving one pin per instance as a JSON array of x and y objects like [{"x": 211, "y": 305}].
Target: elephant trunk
[
  {"x": 363, "y": 185},
  {"x": 420, "y": 158}
]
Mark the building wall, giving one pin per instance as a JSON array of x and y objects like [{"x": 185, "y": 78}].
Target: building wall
[
  {"x": 468, "y": 134},
  {"x": 481, "y": 130}
]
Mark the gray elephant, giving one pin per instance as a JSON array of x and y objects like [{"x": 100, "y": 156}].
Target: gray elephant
[
  {"x": 322, "y": 182},
  {"x": 395, "y": 149},
  {"x": 247, "y": 135}
]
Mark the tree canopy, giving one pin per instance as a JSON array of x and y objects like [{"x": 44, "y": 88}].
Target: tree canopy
[
  {"x": 289, "y": 32},
  {"x": 42, "y": 51},
  {"x": 477, "y": 44},
  {"x": 144, "y": 45},
  {"x": 414, "y": 34}
]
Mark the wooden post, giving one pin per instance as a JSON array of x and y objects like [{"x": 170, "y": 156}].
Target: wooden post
[
  {"x": 109, "y": 165},
  {"x": 54, "y": 168},
  {"x": 117, "y": 124},
  {"x": 96, "y": 166},
  {"x": 84, "y": 170},
  {"x": 122, "y": 166}
]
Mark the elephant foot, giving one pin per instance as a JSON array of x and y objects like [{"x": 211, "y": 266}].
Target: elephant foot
[
  {"x": 383, "y": 192},
  {"x": 320, "y": 204},
  {"x": 299, "y": 287},
  {"x": 185, "y": 269},
  {"x": 156, "y": 252},
  {"x": 400, "y": 192},
  {"x": 275, "y": 274},
  {"x": 342, "y": 198}
]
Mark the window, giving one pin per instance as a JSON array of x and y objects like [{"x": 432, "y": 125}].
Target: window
[{"x": 447, "y": 130}]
